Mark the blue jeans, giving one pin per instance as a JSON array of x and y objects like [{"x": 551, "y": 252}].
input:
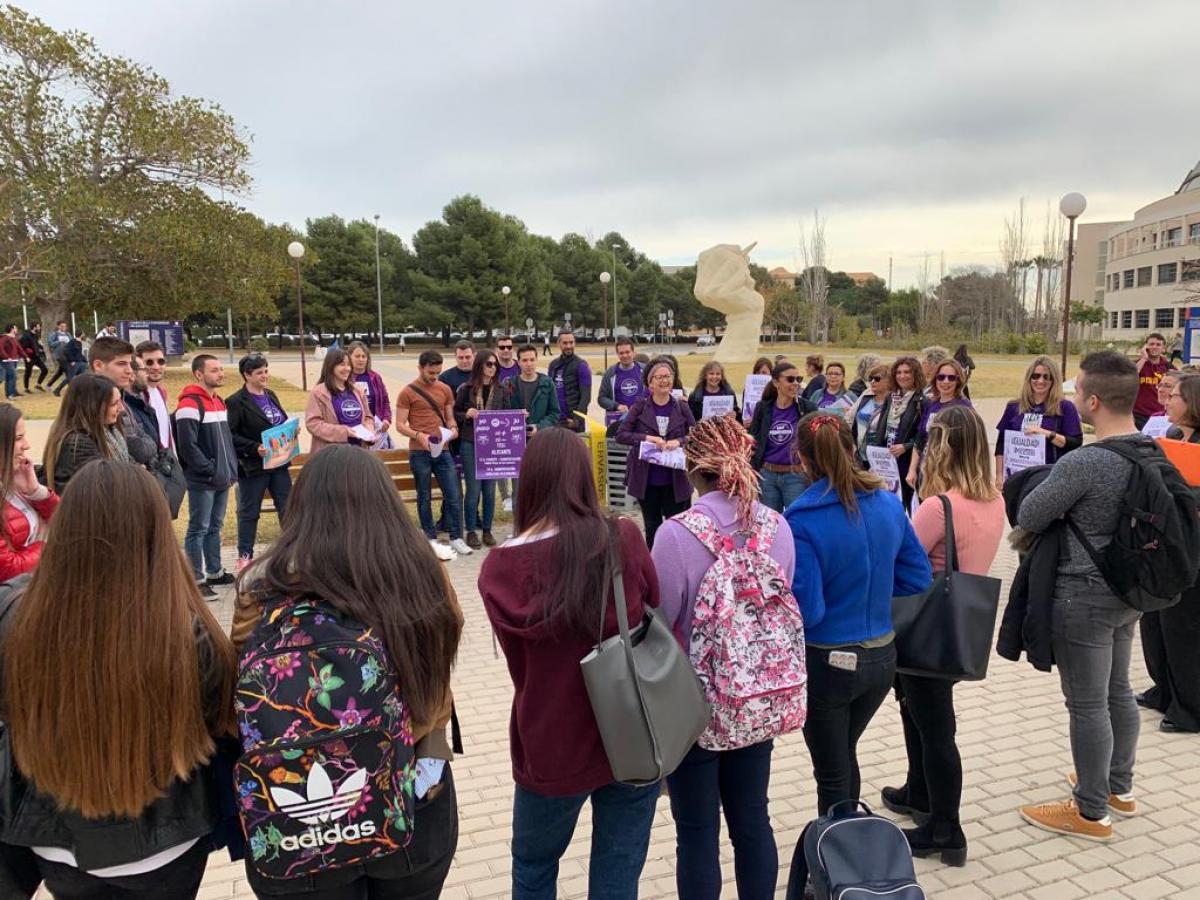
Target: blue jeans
[
  {"x": 779, "y": 489},
  {"x": 250, "y": 497},
  {"x": 425, "y": 468},
  {"x": 202, "y": 542},
  {"x": 542, "y": 830},
  {"x": 735, "y": 781},
  {"x": 466, "y": 449},
  {"x": 10, "y": 379}
]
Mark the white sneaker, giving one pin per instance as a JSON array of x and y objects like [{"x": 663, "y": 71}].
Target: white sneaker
[
  {"x": 442, "y": 552},
  {"x": 459, "y": 546},
  {"x": 508, "y": 504}
]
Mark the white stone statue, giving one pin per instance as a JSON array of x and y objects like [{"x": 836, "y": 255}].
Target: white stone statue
[{"x": 723, "y": 283}]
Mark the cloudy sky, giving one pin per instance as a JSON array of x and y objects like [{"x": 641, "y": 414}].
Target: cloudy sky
[{"x": 914, "y": 127}]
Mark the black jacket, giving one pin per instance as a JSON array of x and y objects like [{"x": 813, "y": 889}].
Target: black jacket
[
  {"x": 76, "y": 451},
  {"x": 165, "y": 464},
  {"x": 32, "y": 346},
  {"x": 910, "y": 423},
  {"x": 578, "y": 394},
  {"x": 1028, "y": 616},
  {"x": 246, "y": 425},
  {"x": 760, "y": 426}
]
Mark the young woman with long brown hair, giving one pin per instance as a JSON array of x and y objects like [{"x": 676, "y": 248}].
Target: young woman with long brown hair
[
  {"x": 958, "y": 465},
  {"x": 480, "y": 392},
  {"x": 337, "y": 405},
  {"x": 85, "y": 429},
  {"x": 117, "y": 683},
  {"x": 855, "y": 550},
  {"x": 348, "y": 541},
  {"x": 542, "y": 590},
  {"x": 27, "y": 505}
]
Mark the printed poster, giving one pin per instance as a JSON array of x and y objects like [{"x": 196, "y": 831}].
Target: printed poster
[
  {"x": 1156, "y": 426},
  {"x": 671, "y": 459},
  {"x": 717, "y": 406},
  {"x": 499, "y": 443},
  {"x": 882, "y": 463},
  {"x": 752, "y": 393},
  {"x": 1023, "y": 451},
  {"x": 282, "y": 443}
]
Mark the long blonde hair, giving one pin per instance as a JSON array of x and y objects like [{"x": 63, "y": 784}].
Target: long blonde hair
[
  {"x": 958, "y": 456},
  {"x": 102, "y": 672},
  {"x": 1054, "y": 398}
]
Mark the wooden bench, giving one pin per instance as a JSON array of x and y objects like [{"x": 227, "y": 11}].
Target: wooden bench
[{"x": 398, "y": 468}]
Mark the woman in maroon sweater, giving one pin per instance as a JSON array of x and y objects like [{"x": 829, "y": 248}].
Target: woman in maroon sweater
[{"x": 540, "y": 592}]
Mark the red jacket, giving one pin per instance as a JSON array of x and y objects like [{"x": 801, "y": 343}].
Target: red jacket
[
  {"x": 555, "y": 744},
  {"x": 10, "y": 348},
  {"x": 15, "y": 557}
]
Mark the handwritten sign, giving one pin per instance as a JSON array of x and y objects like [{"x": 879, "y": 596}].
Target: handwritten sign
[
  {"x": 882, "y": 463},
  {"x": 1156, "y": 426},
  {"x": 717, "y": 405},
  {"x": 282, "y": 443},
  {"x": 671, "y": 459},
  {"x": 1023, "y": 451},
  {"x": 499, "y": 444},
  {"x": 752, "y": 393}
]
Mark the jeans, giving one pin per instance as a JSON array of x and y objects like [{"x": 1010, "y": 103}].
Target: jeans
[
  {"x": 10, "y": 378},
  {"x": 779, "y": 489},
  {"x": 474, "y": 488},
  {"x": 1092, "y": 640},
  {"x": 658, "y": 505},
  {"x": 202, "y": 542},
  {"x": 934, "y": 764},
  {"x": 416, "y": 872},
  {"x": 177, "y": 880},
  {"x": 73, "y": 369},
  {"x": 250, "y": 497},
  {"x": 542, "y": 830},
  {"x": 735, "y": 781},
  {"x": 840, "y": 706},
  {"x": 425, "y": 468},
  {"x": 35, "y": 363}
]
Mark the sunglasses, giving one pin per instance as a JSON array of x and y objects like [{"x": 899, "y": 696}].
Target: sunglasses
[
  {"x": 490, "y": 364},
  {"x": 1037, "y": 376},
  {"x": 947, "y": 378},
  {"x": 791, "y": 379},
  {"x": 154, "y": 362},
  {"x": 875, "y": 378},
  {"x": 503, "y": 347}
]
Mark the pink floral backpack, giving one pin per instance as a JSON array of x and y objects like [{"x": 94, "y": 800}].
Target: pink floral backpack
[{"x": 747, "y": 641}]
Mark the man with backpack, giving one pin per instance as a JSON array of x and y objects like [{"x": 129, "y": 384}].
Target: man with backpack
[
  {"x": 205, "y": 447},
  {"x": 1130, "y": 547}
]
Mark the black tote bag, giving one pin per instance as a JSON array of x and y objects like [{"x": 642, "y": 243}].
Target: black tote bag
[{"x": 947, "y": 631}]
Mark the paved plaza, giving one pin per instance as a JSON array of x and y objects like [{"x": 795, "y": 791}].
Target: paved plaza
[{"x": 1012, "y": 733}]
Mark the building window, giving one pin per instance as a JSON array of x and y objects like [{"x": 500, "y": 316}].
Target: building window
[
  {"x": 1112, "y": 320},
  {"x": 1191, "y": 270},
  {"x": 1174, "y": 236},
  {"x": 1164, "y": 318},
  {"x": 1127, "y": 318},
  {"x": 1168, "y": 273},
  {"x": 1144, "y": 276},
  {"x": 1127, "y": 278},
  {"x": 1098, "y": 299},
  {"x": 1194, "y": 232},
  {"x": 1142, "y": 319}
]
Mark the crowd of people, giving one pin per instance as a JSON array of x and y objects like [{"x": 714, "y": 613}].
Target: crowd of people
[{"x": 170, "y": 730}]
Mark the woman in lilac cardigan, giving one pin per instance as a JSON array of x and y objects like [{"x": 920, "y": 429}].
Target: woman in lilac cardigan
[
  {"x": 371, "y": 383},
  {"x": 663, "y": 420}
]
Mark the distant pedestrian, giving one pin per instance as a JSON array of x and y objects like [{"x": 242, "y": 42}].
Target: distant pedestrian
[
  {"x": 35, "y": 356},
  {"x": 59, "y": 338},
  {"x": 546, "y": 344},
  {"x": 10, "y": 358}
]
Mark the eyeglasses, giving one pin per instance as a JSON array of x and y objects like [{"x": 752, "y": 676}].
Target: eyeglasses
[
  {"x": 154, "y": 362},
  {"x": 791, "y": 379},
  {"x": 1038, "y": 376},
  {"x": 947, "y": 378}
]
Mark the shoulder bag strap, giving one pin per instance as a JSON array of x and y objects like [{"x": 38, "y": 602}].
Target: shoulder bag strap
[
  {"x": 951, "y": 542},
  {"x": 437, "y": 409}
]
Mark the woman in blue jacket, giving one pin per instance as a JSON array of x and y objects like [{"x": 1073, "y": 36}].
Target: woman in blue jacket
[{"x": 855, "y": 550}]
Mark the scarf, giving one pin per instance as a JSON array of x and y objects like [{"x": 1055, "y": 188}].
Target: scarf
[{"x": 896, "y": 412}]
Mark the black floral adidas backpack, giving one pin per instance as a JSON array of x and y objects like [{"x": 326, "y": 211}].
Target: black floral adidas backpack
[{"x": 326, "y": 775}]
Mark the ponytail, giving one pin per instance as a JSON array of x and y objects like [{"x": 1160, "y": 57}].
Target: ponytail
[{"x": 824, "y": 443}]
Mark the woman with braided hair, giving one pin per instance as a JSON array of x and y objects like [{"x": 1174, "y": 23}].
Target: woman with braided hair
[
  {"x": 855, "y": 550},
  {"x": 718, "y": 466}
]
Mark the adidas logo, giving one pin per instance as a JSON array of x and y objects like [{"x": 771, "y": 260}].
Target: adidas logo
[{"x": 321, "y": 805}]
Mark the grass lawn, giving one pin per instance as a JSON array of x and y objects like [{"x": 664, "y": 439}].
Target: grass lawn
[{"x": 38, "y": 405}]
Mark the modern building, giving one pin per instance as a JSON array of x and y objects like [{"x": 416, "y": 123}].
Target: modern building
[{"x": 1152, "y": 266}]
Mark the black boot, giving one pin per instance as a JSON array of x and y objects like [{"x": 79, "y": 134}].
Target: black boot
[
  {"x": 945, "y": 838},
  {"x": 896, "y": 799}
]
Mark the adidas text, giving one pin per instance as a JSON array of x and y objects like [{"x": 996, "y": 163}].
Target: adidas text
[{"x": 336, "y": 834}]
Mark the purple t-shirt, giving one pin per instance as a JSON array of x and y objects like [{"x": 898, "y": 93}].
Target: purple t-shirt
[
  {"x": 1065, "y": 423},
  {"x": 932, "y": 409},
  {"x": 661, "y": 475},
  {"x": 627, "y": 384},
  {"x": 781, "y": 435},
  {"x": 347, "y": 408},
  {"x": 503, "y": 373},
  {"x": 274, "y": 414},
  {"x": 827, "y": 400}
]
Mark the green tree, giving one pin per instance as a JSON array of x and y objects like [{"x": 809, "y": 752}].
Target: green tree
[{"x": 105, "y": 179}]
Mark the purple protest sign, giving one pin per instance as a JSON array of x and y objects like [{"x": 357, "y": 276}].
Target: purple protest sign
[{"x": 499, "y": 443}]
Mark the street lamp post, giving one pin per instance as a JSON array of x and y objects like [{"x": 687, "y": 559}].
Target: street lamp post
[
  {"x": 614, "y": 284},
  {"x": 295, "y": 251},
  {"x": 378, "y": 285},
  {"x": 670, "y": 324},
  {"x": 506, "y": 290},
  {"x": 1072, "y": 206},
  {"x": 605, "y": 278}
]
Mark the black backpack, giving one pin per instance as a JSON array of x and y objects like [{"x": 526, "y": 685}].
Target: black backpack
[
  {"x": 853, "y": 854},
  {"x": 1152, "y": 557}
]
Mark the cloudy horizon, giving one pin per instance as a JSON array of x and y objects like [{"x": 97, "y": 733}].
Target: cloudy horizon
[{"x": 914, "y": 128}]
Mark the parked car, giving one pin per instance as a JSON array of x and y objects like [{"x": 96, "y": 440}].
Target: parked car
[{"x": 706, "y": 340}]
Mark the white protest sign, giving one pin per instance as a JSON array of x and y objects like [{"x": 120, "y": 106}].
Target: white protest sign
[
  {"x": 671, "y": 459},
  {"x": 1156, "y": 426},
  {"x": 883, "y": 464},
  {"x": 717, "y": 405},
  {"x": 1023, "y": 451},
  {"x": 752, "y": 393}
]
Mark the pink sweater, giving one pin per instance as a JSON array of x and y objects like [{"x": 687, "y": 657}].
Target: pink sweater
[{"x": 978, "y": 527}]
